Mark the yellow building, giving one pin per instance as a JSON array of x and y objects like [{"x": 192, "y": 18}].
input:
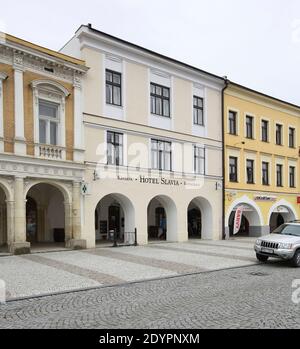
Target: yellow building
[
  {"x": 41, "y": 146},
  {"x": 261, "y": 160}
]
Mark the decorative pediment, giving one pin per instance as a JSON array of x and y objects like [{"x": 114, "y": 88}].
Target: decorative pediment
[{"x": 50, "y": 86}]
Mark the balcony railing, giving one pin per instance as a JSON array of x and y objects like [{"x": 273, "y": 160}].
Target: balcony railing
[{"x": 51, "y": 152}]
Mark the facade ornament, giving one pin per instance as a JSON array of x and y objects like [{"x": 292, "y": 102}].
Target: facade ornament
[{"x": 18, "y": 61}]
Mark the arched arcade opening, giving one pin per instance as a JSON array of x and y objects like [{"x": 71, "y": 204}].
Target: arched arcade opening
[
  {"x": 251, "y": 224},
  {"x": 280, "y": 215},
  {"x": 162, "y": 219},
  {"x": 114, "y": 214},
  {"x": 45, "y": 215},
  {"x": 200, "y": 219}
]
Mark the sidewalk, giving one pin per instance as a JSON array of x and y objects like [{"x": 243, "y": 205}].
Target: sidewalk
[{"x": 51, "y": 272}]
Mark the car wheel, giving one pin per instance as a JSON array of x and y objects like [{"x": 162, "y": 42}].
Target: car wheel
[
  {"x": 296, "y": 259},
  {"x": 261, "y": 257}
]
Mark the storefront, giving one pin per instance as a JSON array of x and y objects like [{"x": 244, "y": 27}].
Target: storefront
[{"x": 261, "y": 214}]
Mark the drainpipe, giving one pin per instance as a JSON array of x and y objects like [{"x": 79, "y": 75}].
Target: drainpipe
[{"x": 226, "y": 81}]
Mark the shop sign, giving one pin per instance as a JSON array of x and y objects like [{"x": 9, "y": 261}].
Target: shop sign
[{"x": 265, "y": 198}]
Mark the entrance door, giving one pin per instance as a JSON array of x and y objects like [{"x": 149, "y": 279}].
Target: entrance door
[
  {"x": 114, "y": 216},
  {"x": 161, "y": 222},
  {"x": 280, "y": 220},
  {"x": 31, "y": 220},
  {"x": 194, "y": 223}
]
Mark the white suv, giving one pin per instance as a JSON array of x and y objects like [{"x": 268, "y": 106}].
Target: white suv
[{"x": 284, "y": 243}]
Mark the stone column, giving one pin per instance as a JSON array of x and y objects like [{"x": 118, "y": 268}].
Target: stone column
[
  {"x": 19, "y": 245},
  {"x": 20, "y": 142},
  {"x": 10, "y": 210},
  {"x": 68, "y": 222},
  {"x": 2, "y": 77},
  {"x": 76, "y": 242}
]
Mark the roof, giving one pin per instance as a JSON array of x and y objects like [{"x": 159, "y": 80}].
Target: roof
[
  {"x": 42, "y": 49},
  {"x": 145, "y": 50},
  {"x": 234, "y": 84}
]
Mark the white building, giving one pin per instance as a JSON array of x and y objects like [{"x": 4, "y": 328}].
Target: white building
[{"x": 153, "y": 143}]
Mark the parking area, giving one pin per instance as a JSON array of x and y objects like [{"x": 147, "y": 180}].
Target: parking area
[{"x": 51, "y": 272}]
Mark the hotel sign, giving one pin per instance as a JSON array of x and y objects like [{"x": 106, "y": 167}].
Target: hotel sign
[
  {"x": 155, "y": 181},
  {"x": 265, "y": 198}
]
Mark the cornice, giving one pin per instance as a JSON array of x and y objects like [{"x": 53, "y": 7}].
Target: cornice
[
  {"x": 24, "y": 59},
  {"x": 12, "y": 165}
]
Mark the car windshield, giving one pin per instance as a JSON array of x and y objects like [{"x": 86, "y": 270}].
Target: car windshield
[{"x": 288, "y": 229}]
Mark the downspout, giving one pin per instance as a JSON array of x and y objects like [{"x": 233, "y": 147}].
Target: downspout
[{"x": 226, "y": 81}]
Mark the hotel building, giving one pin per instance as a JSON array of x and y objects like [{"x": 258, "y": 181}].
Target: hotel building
[{"x": 153, "y": 143}]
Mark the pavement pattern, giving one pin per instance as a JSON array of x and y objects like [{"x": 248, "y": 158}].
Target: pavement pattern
[
  {"x": 48, "y": 273},
  {"x": 258, "y": 296}
]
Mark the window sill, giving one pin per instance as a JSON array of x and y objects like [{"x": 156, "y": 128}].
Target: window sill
[
  {"x": 114, "y": 105},
  {"x": 162, "y": 116}
]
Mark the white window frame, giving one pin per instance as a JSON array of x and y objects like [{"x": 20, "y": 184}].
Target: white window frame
[
  {"x": 197, "y": 146},
  {"x": 50, "y": 120},
  {"x": 295, "y": 136},
  {"x": 269, "y": 129},
  {"x": 53, "y": 92},
  {"x": 282, "y": 133},
  {"x": 254, "y": 126},
  {"x": 234, "y": 110}
]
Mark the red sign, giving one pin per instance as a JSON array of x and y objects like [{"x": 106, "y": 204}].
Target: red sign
[
  {"x": 298, "y": 200},
  {"x": 238, "y": 220}
]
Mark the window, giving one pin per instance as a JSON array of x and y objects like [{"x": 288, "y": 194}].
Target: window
[
  {"x": 233, "y": 177},
  {"x": 250, "y": 171},
  {"x": 114, "y": 148},
  {"x": 161, "y": 155},
  {"x": 265, "y": 173},
  {"x": 232, "y": 123},
  {"x": 199, "y": 160},
  {"x": 278, "y": 134},
  {"x": 160, "y": 100},
  {"x": 292, "y": 177},
  {"x": 279, "y": 175},
  {"x": 249, "y": 127},
  {"x": 48, "y": 122},
  {"x": 198, "y": 111},
  {"x": 291, "y": 137},
  {"x": 265, "y": 131},
  {"x": 113, "y": 88}
]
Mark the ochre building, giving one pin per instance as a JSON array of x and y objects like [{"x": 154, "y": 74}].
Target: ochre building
[
  {"x": 41, "y": 146},
  {"x": 261, "y": 161}
]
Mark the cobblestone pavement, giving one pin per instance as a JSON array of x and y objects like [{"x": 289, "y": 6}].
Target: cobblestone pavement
[
  {"x": 50, "y": 272},
  {"x": 248, "y": 297}
]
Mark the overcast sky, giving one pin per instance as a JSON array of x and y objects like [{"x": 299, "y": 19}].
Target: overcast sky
[{"x": 253, "y": 42}]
